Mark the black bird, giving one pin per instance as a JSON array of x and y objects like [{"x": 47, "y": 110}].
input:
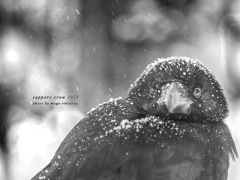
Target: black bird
[{"x": 169, "y": 127}]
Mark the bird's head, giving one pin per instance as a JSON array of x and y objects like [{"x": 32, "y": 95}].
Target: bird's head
[{"x": 180, "y": 88}]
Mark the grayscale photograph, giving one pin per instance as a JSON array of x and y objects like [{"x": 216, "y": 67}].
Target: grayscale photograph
[{"x": 119, "y": 89}]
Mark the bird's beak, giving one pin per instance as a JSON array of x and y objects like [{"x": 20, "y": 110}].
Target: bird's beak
[{"x": 175, "y": 98}]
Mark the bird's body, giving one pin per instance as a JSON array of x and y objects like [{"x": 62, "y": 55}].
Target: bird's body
[{"x": 163, "y": 130}]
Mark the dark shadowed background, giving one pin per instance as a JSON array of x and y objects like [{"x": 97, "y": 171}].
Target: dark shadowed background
[{"x": 93, "y": 50}]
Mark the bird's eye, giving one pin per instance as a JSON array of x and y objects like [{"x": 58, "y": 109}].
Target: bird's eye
[{"x": 197, "y": 92}]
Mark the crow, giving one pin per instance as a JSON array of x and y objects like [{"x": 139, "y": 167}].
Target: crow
[{"x": 170, "y": 126}]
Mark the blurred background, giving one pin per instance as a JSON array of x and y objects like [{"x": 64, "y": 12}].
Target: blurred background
[{"x": 95, "y": 49}]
